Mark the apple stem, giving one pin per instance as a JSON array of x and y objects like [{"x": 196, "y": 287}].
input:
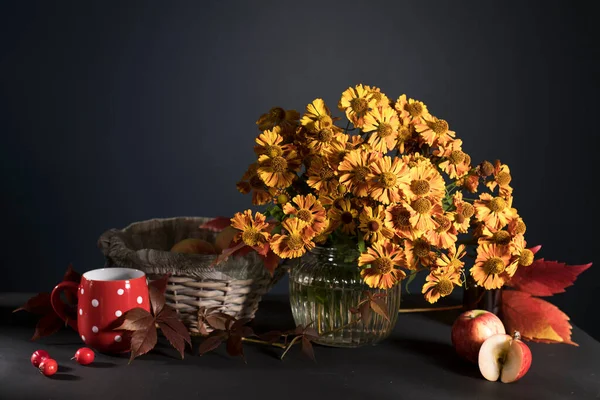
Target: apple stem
[{"x": 517, "y": 335}]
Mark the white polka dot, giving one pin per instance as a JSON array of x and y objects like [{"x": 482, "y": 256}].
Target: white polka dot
[
  {"x": 95, "y": 329},
  {"x": 118, "y": 313},
  {"x": 95, "y": 303},
  {"x": 83, "y": 338},
  {"x": 139, "y": 299},
  {"x": 80, "y": 311},
  {"x": 120, "y": 292},
  {"x": 117, "y": 338},
  {"x": 127, "y": 286},
  {"x": 81, "y": 290}
]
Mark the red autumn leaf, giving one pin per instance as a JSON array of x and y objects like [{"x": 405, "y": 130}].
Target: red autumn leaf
[
  {"x": 219, "y": 321},
  {"x": 365, "y": 312},
  {"x": 170, "y": 317},
  {"x": 135, "y": 319},
  {"x": 71, "y": 276},
  {"x": 216, "y": 224},
  {"x": 536, "y": 319},
  {"x": 211, "y": 343},
  {"x": 173, "y": 336},
  {"x": 142, "y": 341},
  {"x": 47, "y": 325},
  {"x": 545, "y": 278},
  {"x": 157, "y": 300},
  {"x": 271, "y": 261},
  {"x": 160, "y": 283},
  {"x": 234, "y": 346},
  {"x": 38, "y": 304},
  {"x": 380, "y": 308},
  {"x": 307, "y": 348}
]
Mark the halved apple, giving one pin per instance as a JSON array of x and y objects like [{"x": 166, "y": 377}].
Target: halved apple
[{"x": 505, "y": 357}]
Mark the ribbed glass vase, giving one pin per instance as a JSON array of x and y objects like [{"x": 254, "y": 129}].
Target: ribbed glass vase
[{"x": 324, "y": 285}]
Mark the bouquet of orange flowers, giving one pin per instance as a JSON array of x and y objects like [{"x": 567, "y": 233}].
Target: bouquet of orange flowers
[{"x": 391, "y": 179}]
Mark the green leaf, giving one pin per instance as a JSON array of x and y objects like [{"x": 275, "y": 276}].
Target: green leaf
[
  {"x": 361, "y": 244},
  {"x": 411, "y": 278}
]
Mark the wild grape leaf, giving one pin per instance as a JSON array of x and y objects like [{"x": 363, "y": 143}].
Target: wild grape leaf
[
  {"x": 211, "y": 342},
  {"x": 157, "y": 300},
  {"x": 380, "y": 308},
  {"x": 47, "y": 325},
  {"x": 135, "y": 319},
  {"x": 71, "y": 276},
  {"x": 38, "y": 304},
  {"x": 219, "y": 321},
  {"x": 545, "y": 278},
  {"x": 271, "y": 261},
  {"x": 365, "y": 312},
  {"x": 534, "y": 318},
  {"x": 235, "y": 346},
  {"x": 216, "y": 224},
  {"x": 169, "y": 319},
  {"x": 307, "y": 348},
  {"x": 160, "y": 283},
  {"x": 173, "y": 336},
  {"x": 142, "y": 341}
]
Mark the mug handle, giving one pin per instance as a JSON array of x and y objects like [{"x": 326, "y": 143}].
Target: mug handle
[{"x": 59, "y": 306}]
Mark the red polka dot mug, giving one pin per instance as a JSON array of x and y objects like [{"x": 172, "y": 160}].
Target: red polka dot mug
[{"x": 103, "y": 295}]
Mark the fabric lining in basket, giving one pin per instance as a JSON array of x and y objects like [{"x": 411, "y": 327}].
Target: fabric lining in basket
[{"x": 234, "y": 286}]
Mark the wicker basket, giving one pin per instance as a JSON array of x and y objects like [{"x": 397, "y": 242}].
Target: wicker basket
[{"x": 235, "y": 286}]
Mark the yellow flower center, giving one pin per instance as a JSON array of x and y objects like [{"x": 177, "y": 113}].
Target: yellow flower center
[
  {"x": 414, "y": 109},
  {"x": 324, "y": 121},
  {"x": 361, "y": 173},
  {"x": 373, "y": 225},
  {"x": 404, "y": 134},
  {"x": 273, "y": 151},
  {"x": 325, "y": 135},
  {"x": 444, "y": 286},
  {"x": 256, "y": 182},
  {"x": 388, "y": 179},
  {"x": 377, "y": 96},
  {"x": 440, "y": 126},
  {"x": 494, "y": 266},
  {"x": 279, "y": 164},
  {"x": 295, "y": 241},
  {"x": 421, "y": 248},
  {"x": 305, "y": 215},
  {"x": 359, "y": 105},
  {"x": 341, "y": 189},
  {"x": 282, "y": 199},
  {"x": 422, "y": 205},
  {"x": 526, "y": 258},
  {"x": 467, "y": 159},
  {"x": 444, "y": 222},
  {"x": 382, "y": 265},
  {"x": 251, "y": 236},
  {"x": 520, "y": 228},
  {"x": 277, "y": 114},
  {"x": 346, "y": 217},
  {"x": 501, "y": 237},
  {"x": 454, "y": 264},
  {"x": 402, "y": 218},
  {"x": 486, "y": 168},
  {"x": 419, "y": 187},
  {"x": 497, "y": 204},
  {"x": 384, "y": 130},
  {"x": 503, "y": 178},
  {"x": 467, "y": 210},
  {"x": 456, "y": 157}
]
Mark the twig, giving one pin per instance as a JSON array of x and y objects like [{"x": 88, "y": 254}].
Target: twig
[
  {"x": 294, "y": 340},
  {"x": 427, "y": 309},
  {"x": 275, "y": 344}
]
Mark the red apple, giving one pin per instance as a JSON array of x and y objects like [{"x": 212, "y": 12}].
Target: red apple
[
  {"x": 471, "y": 329},
  {"x": 505, "y": 357}
]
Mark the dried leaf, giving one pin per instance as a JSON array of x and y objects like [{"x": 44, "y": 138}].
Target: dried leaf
[
  {"x": 157, "y": 300},
  {"x": 310, "y": 333},
  {"x": 71, "y": 276},
  {"x": 271, "y": 336},
  {"x": 47, "y": 325},
  {"x": 176, "y": 340},
  {"x": 365, "y": 312},
  {"x": 161, "y": 283},
  {"x": 219, "y": 321},
  {"x": 210, "y": 343},
  {"x": 235, "y": 346},
  {"x": 380, "y": 308},
  {"x": 170, "y": 317},
  {"x": 38, "y": 304},
  {"x": 135, "y": 319},
  {"x": 216, "y": 224},
  {"x": 354, "y": 310},
  {"x": 271, "y": 261},
  {"x": 534, "y": 318},
  {"x": 545, "y": 278},
  {"x": 307, "y": 348},
  {"x": 142, "y": 342}
]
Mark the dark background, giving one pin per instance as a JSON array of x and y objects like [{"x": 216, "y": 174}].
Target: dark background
[{"x": 114, "y": 112}]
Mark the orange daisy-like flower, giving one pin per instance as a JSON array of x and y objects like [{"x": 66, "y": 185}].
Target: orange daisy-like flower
[
  {"x": 397, "y": 218},
  {"x": 388, "y": 177},
  {"x": 381, "y": 100},
  {"x": 321, "y": 176},
  {"x": 251, "y": 182},
  {"x": 418, "y": 251},
  {"x": 501, "y": 179},
  {"x": 322, "y": 237},
  {"x": 337, "y": 150},
  {"x": 279, "y": 171},
  {"x": 444, "y": 236},
  {"x": 434, "y": 131},
  {"x": 456, "y": 162},
  {"x": 383, "y": 259},
  {"x": 287, "y": 120},
  {"x": 494, "y": 212},
  {"x": 356, "y": 102},
  {"x": 292, "y": 244},
  {"x": 453, "y": 259},
  {"x": 490, "y": 269},
  {"x": 317, "y": 116},
  {"x": 372, "y": 225},
  {"x": 271, "y": 143},
  {"x": 253, "y": 231},
  {"x": 384, "y": 123},
  {"x": 320, "y": 141},
  {"x": 469, "y": 182},
  {"x": 406, "y": 132},
  {"x": 521, "y": 255},
  {"x": 517, "y": 226},
  {"x": 344, "y": 216},
  {"x": 462, "y": 215},
  {"x": 410, "y": 109},
  {"x": 355, "y": 173},
  {"x": 308, "y": 209},
  {"x": 424, "y": 180},
  {"x": 440, "y": 283},
  {"x": 424, "y": 212}
]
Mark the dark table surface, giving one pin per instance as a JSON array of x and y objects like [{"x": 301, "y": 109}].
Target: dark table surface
[{"x": 416, "y": 362}]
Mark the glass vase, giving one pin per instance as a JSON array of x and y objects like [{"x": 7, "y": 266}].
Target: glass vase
[
  {"x": 325, "y": 284},
  {"x": 479, "y": 298}
]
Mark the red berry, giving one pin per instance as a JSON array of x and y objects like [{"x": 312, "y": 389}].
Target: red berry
[
  {"x": 48, "y": 367},
  {"x": 84, "y": 356},
  {"x": 38, "y": 356}
]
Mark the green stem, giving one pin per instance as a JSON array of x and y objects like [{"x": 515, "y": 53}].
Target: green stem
[
  {"x": 274, "y": 344},
  {"x": 294, "y": 340}
]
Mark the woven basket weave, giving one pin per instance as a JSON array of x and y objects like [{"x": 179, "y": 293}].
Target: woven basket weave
[{"x": 234, "y": 287}]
